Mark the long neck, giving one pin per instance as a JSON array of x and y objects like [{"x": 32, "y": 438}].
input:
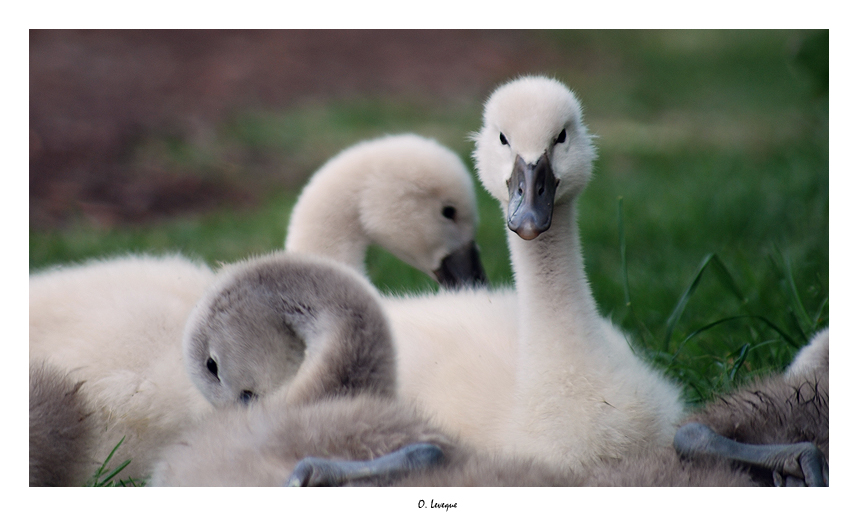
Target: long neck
[
  {"x": 325, "y": 222},
  {"x": 555, "y": 301},
  {"x": 349, "y": 352}
]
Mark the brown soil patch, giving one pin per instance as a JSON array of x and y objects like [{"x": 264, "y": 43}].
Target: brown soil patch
[{"x": 94, "y": 95}]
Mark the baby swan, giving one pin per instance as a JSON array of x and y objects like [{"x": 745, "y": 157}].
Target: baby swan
[
  {"x": 299, "y": 323},
  {"x": 406, "y": 193},
  {"x": 580, "y": 393},
  {"x": 309, "y": 336}
]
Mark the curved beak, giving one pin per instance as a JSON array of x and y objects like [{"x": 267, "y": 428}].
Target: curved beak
[
  {"x": 462, "y": 268},
  {"x": 532, "y": 197}
]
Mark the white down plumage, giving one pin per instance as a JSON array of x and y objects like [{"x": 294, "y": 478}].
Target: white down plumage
[{"x": 117, "y": 325}]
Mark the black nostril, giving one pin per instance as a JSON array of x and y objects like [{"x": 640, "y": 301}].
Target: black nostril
[{"x": 247, "y": 396}]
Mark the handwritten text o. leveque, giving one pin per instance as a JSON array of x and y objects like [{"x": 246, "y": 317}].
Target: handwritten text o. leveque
[{"x": 433, "y": 504}]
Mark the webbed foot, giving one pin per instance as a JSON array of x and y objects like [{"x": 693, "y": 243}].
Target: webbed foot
[
  {"x": 312, "y": 471},
  {"x": 797, "y": 464}
]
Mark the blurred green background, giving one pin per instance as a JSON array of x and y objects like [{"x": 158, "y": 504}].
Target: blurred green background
[{"x": 705, "y": 228}]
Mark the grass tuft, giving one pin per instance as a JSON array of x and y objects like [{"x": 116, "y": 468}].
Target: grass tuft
[{"x": 102, "y": 478}]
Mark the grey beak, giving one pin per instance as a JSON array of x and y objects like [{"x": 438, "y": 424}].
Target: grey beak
[
  {"x": 462, "y": 268},
  {"x": 532, "y": 197}
]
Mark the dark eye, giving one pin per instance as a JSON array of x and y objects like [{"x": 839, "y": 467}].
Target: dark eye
[
  {"x": 562, "y": 137},
  {"x": 503, "y": 139},
  {"x": 247, "y": 396},
  {"x": 212, "y": 366},
  {"x": 449, "y": 212}
]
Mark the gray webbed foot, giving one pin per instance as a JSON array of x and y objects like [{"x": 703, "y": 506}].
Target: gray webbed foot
[
  {"x": 805, "y": 465},
  {"x": 797, "y": 464},
  {"x": 312, "y": 471}
]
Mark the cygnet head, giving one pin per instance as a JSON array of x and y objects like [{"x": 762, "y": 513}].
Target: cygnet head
[
  {"x": 533, "y": 151},
  {"x": 285, "y": 321},
  {"x": 411, "y": 195}
]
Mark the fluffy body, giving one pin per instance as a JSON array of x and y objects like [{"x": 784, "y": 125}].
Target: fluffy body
[
  {"x": 261, "y": 445},
  {"x": 117, "y": 325},
  {"x": 391, "y": 191},
  {"x": 456, "y": 358},
  {"x": 61, "y": 430}
]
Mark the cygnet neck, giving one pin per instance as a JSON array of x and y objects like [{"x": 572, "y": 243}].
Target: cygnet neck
[
  {"x": 326, "y": 221},
  {"x": 555, "y": 301},
  {"x": 354, "y": 357}
]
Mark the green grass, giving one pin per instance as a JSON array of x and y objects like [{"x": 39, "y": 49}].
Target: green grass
[
  {"x": 716, "y": 262},
  {"x": 104, "y": 478}
]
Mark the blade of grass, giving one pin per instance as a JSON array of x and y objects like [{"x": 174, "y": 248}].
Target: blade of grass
[
  {"x": 684, "y": 299},
  {"x": 775, "y": 327},
  {"x": 622, "y": 239},
  {"x": 798, "y": 307},
  {"x": 722, "y": 274},
  {"x": 741, "y": 358},
  {"x": 727, "y": 279},
  {"x": 794, "y": 324},
  {"x": 700, "y": 330},
  {"x": 113, "y": 474},
  {"x": 97, "y": 481},
  {"x": 95, "y": 478},
  {"x": 708, "y": 326},
  {"x": 643, "y": 331},
  {"x": 819, "y": 314},
  {"x": 693, "y": 381}
]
